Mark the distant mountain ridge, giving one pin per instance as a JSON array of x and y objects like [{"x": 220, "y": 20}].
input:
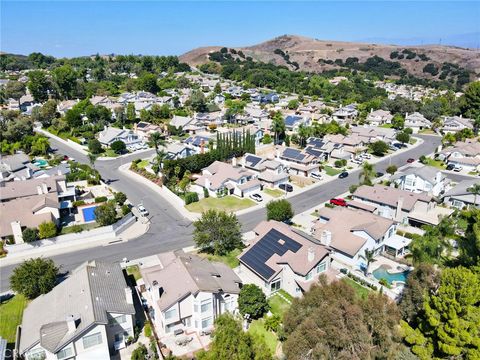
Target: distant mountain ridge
[{"x": 319, "y": 55}]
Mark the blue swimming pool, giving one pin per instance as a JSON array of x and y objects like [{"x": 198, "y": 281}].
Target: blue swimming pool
[
  {"x": 89, "y": 213},
  {"x": 382, "y": 273},
  {"x": 40, "y": 162}
]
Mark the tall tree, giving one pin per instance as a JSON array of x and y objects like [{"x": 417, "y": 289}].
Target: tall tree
[
  {"x": 39, "y": 85},
  {"x": 279, "y": 210},
  {"x": 217, "y": 232},
  {"x": 15, "y": 90},
  {"x": 65, "y": 79},
  {"x": 278, "y": 126},
  {"x": 252, "y": 301},
  {"x": 156, "y": 140},
  {"x": 34, "y": 277},
  {"x": 450, "y": 324},
  {"x": 475, "y": 190}
]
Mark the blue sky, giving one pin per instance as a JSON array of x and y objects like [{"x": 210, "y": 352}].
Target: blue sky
[{"x": 71, "y": 28}]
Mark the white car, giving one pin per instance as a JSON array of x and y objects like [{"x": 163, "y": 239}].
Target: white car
[
  {"x": 457, "y": 168},
  {"x": 315, "y": 175},
  {"x": 256, "y": 197},
  {"x": 141, "y": 209}
]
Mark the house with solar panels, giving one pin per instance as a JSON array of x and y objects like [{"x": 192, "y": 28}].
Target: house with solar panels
[
  {"x": 199, "y": 144},
  {"x": 346, "y": 114},
  {"x": 271, "y": 173},
  {"x": 292, "y": 122},
  {"x": 282, "y": 258},
  {"x": 221, "y": 179},
  {"x": 299, "y": 162}
]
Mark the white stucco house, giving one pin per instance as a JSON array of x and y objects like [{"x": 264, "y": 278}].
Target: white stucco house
[
  {"x": 421, "y": 179},
  {"x": 88, "y": 316},
  {"x": 186, "y": 293}
]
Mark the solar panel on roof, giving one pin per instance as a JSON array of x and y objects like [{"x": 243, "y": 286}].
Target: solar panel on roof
[
  {"x": 312, "y": 151},
  {"x": 265, "y": 248},
  {"x": 253, "y": 160}
]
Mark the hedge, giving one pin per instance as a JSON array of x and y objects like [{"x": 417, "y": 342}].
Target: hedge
[
  {"x": 191, "y": 197},
  {"x": 100, "y": 199}
]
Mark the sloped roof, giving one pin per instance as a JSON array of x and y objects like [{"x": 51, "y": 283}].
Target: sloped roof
[{"x": 88, "y": 294}]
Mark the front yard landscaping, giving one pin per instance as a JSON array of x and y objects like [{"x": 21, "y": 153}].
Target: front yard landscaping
[
  {"x": 435, "y": 163},
  {"x": 361, "y": 291},
  {"x": 274, "y": 192},
  {"x": 228, "y": 203},
  {"x": 257, "y": 329},
  {"x": 331, "y": 171},
  {"x": 134, "y": 270},
  {"x": 11, "y": 312},
  {"x": 278, "y": 305},
  {"x": 230, "y": 259},
  {"x": 142, "y": 164}
]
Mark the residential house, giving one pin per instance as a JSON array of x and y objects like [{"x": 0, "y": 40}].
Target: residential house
[
  {"x": 270, "y": 98},
  {"x": 15, "y": 166},
  {"x": 293, "y": 122},
  {"x": 416, "y": 122},
  {"x": 144, "y": 129},
  {"x": 111, "y": 134},
  {"x": 370, "y": 134},
  {"x": 346, "y": 114},
  {"x": 198, "y": 143},
  {"x": 185, "y": 292},
  {"x": 454, "y": 124},
  {"x": 421, "y": 179},
  {"x": 464, "y": 153},
  {"x": 64, "y": 106},
  {"x": 280, "y": 258},
  {"x": 89, "y": 315},
  {"x": 178, "y": 151},
  {"x": 271, "y": 173},
  {"x": 460, "y": 197},
  {"x": 350, "y": 233},
  {"x": 299, "y": 162},
  {"x": 256, "y": 114},
  {"x": 54, "y": 184},
  {"x": 180, "y": 122},
  {"x": 403, "y": 206},
  {"x": 225, "y": 179},
  {"x": 379, "y": 117},
  {"x": 312, "y": 106}
]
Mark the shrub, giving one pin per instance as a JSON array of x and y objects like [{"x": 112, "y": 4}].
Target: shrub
[
  {"x": 78, "y": 203},
  {"x": 105, "y": 214},
  {"x": 47, "y": 230},
  {"x": 191, "y": 197},
  {"x": 30, "y": 234},
  {"x": 126, "y": 210},
  {"x": 118, "y": 146},
  {"x": 140, "y": 353},
  {"x": 353, "y": 188},
  {"x": 120, "y": 198},
  {"x": 100, "y": 199},
  {"x": 206, "y": 194},
  {"x": 279, "y": 210},
  {"x": 339, "y": 163},
  {"x": 252, "y": 301},
  {"x": 147, "y": 330},
  {"x": 34, "y": 277},
  {"x": 272, "y": 323},
  {"x": 95, "y": 147}
]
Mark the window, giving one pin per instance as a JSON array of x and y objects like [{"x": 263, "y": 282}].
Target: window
[
  {"x": 206, "y": 323},
  {"x": 321, "y": 267},
  {"x": 119, "y": 319},
  {"x": 119, "y": 337},
  {"x": 409, "y": 182},
  {"x": 38, "y": 354},
  {"x": 390, "y": 232},
  {"x": 170, "y": 313},
  {"x": 275, "y": 286},
  {"x": 206, "y": 306},
  {"x": 65, "y": 353},
  {"x": 92, "y": 340},
  {"x": 309, "y": 276}
]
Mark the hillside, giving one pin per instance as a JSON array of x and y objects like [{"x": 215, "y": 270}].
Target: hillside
[{"x": 318, "y": 55}]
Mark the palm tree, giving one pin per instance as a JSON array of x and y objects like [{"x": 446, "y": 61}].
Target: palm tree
[
  {"x": 367, "y": 173},
  {"x": 303, "y": 134},
  {"x": 161, "y": 155},
  {"x": 369, "y": 257},
  {"x": 156, "y": 141},
  {"x": 475, "y": 190},
  {"x": 278, "y": 126}
]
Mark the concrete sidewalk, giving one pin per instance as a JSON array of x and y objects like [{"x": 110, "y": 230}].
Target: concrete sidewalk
[{"x": 131, "y": 233}]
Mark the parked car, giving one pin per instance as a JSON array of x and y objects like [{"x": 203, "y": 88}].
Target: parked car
[
  {"x": 393, "y": 148},
  {"x": 366, "y": 156},
  {"x": 316, "y": 175},
  {"x": 450, "y": 166},
  {"x": 286, "y": 187},
  {"x": 457, "y": 168},
  {"x": 256, "y": 197},
  {"x": 141, "y": 209},
  {"x": 338, "y": 202},
  {"x": 410, "y": 160},
  {"x": 379, "y": 174},
  {"x": 343, "y": 175}
]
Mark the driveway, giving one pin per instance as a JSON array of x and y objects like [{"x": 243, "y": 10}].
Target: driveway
[{"x": 169, "y": 230}]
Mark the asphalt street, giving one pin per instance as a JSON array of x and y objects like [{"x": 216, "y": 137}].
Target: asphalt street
[{"x": 169, "y": 230}]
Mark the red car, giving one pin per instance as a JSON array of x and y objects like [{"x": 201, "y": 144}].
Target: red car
[
  {"x": 410, "y": 160},
  {"x": 338, "y": 202}
]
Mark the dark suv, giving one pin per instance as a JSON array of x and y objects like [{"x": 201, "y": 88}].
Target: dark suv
[{"x": 286, "y": 187}]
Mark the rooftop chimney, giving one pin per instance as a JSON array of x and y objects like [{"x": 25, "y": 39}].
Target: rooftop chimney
[
  {"x": 326, "y": 237},
  {"x": 72, "y": 326},
  {"x": 128, "y": 295},
  {"x": 39, "y": 190},
  {"x": 44, "y": 188},
  {"x": 310, "y": 254}
]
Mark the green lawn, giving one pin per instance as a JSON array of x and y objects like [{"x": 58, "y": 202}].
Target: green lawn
[
  {"x": 135, "y": 271},
  {"x": 78, "y": 228},
  {"x": 331, "y": 171},
  {"x": 386, "y": 126},
  {"x": 257, "y": 329},
  {"x": 142, "y": 164},
  {"x": 274, "y": 192},
  {"x": 11, "y": 312},
  {"x": 227, "y": 203},
  {"x": 230, "y": 259},
  {"x": 359, "y": 289},
  {"x": 110, "y": 153},
  {"x": 435, "y": 163},
  {"x": 278, "y": 305}
]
